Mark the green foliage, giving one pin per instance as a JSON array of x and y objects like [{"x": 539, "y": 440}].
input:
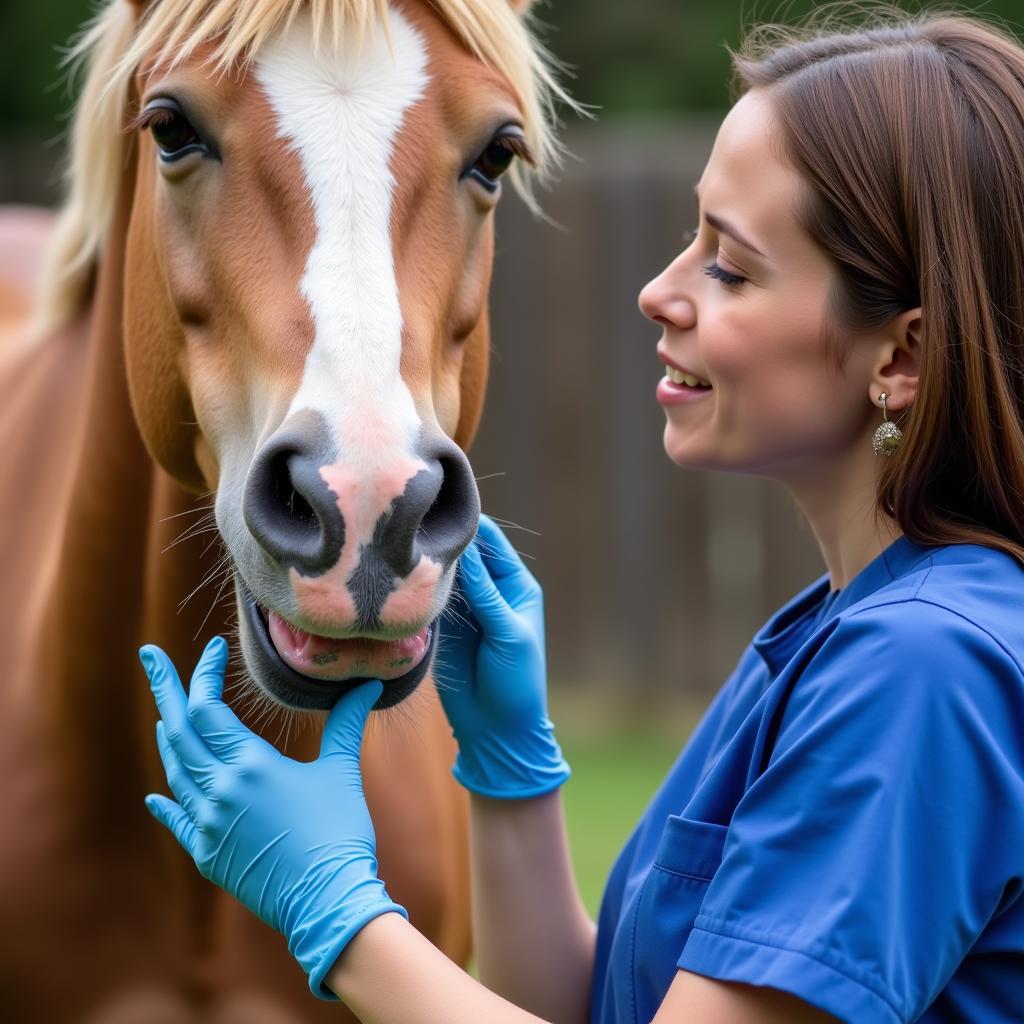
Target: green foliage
[
  {"x": 33, "y": 93},
  {"x": 670, "y": 56},
  {"x": 614, "y": 775},
  {"x": 641, "y": 56}
]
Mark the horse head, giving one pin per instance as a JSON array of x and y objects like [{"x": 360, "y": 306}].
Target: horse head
[{"x": 307, "y": 260}]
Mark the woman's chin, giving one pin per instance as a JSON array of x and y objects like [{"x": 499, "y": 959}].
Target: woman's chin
[{"x": 683, "y": 452}]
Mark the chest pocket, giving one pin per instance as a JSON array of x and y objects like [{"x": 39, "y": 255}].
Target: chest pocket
[{"x": 652, "y": 933}]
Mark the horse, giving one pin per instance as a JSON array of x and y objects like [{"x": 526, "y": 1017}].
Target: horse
[{"x": 248, "y": 353}]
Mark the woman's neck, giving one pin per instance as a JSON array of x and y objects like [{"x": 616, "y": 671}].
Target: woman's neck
[{"x": 839, "y": 505}]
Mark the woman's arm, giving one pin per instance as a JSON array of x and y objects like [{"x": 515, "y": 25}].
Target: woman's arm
[
  {"x": 694, "y": 999},
  {"x": 254, "y": 822},
  {"x": 534, "y": 940},
  {"x": 391, "y": 974}
]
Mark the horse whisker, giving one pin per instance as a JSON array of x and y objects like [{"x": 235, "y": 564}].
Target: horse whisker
[
  {"x": 493, "y": 553},
  {"x": 193, "y": 530},
  {"x": 191, "y": 511},
  {"x": 216, "y": 601},
  {"x": 223, "y": 567},
  {"x": 507, "y": 524}
]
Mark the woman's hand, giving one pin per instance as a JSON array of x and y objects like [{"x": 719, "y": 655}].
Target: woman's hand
[
  {"x": 492, "y": 678},
  {"x": 293, "y": 841}
]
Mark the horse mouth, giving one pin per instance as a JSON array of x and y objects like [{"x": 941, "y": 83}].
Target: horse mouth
[
  {"x": 328, "y": 659},
  {"x": 306, "y": 670}
]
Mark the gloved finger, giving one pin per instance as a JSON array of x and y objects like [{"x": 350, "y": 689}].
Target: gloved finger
[
  {"x": 485, "y": 601},
  {"x": 214, "y": 721},
  {"x": 513, "y": 580},
  {"x": 172, "y": 704},
  {"x": 343, "y": 731},
  {"x": 175, "y": 820},
  {"x": 184, "y": 787},
  {"x": 498, "y": 554}
]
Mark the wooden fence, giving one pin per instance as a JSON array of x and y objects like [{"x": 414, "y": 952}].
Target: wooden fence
[{"x": 655, "y": 578}]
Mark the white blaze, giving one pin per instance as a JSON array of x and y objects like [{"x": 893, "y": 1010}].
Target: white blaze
[{"x": 341, "y": 113}]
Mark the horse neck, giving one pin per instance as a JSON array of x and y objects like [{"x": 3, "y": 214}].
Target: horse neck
[{"x": 114, "y": 587}]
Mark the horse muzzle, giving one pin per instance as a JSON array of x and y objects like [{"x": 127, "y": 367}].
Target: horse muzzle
[
  {"x": 346, "y": 564},
  {"x": 365, "y": 523}
]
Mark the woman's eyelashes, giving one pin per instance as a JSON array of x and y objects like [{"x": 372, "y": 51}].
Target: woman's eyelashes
[{"x": 713, "y": 269}]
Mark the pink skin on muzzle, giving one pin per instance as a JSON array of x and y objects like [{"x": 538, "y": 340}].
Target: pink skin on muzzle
[
  {"x": 326, "y": 600},
  {"x": 321, "y": 657}
]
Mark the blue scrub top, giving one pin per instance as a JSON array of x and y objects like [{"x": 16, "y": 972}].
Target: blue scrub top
[{"x": 847, "y": 821}]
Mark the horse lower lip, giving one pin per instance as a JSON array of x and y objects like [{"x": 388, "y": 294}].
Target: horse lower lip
[{"x": 320, "y": 657}]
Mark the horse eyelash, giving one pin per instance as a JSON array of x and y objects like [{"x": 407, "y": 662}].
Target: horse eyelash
[
  {"x": 148, "y": 117},
  {"x": 518, "y": 145}
]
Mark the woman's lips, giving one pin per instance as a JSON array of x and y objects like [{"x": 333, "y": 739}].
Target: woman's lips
[
  {"x": 670, "y": 393},
  {"x": 322, "y": 657}
]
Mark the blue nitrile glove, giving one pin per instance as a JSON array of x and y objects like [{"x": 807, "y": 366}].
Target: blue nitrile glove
[
  {"x": 491, "y": 675},
  {"x": 292, "y": 840}
]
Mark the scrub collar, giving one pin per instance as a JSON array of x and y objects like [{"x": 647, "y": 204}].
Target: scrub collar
[{"x": 784, "y": 633}]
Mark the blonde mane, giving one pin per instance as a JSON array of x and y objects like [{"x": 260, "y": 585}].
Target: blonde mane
[{"x": 118, "y": 40}]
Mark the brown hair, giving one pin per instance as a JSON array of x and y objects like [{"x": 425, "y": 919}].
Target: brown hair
[{"x": 910, "y": 133}]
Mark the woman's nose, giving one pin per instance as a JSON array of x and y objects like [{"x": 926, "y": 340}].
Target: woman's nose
[{"x": 663, "y": 301}]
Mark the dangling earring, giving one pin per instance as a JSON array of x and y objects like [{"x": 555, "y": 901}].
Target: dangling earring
[{"x": 888, "y": 436}]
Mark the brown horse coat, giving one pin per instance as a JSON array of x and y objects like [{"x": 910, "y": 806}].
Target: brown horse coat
[{"x": 104, "y": 919}]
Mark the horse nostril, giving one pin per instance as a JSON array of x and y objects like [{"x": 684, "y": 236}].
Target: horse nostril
[
  {"x": 289, "y": 509},
  {"x": 286, "y": 498},
  {"x": 442, "y": 524},
  {"x": 435, "y": 517}
]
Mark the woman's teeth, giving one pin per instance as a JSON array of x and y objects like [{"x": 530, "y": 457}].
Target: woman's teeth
[{"x": 678, "y": 377}]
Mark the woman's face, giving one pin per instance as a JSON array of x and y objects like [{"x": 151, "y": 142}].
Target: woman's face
[{"x": 744, "y": 308}]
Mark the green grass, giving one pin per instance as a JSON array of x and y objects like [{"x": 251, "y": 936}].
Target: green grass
[
  {"x": 616, "y": 770},
  {"x": 617, "y": 763}
]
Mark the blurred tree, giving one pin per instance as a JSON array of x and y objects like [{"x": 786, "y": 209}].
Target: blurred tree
[
  {"x": 34, "y": 97},
  {"x": 670, "y": 56},
  {"x": 635, "y": 57}
]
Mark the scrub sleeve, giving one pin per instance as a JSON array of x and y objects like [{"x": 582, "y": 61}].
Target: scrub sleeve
[{"x": 885, "y": 831}]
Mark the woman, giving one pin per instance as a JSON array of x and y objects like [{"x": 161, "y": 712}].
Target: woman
[{"x": 843, "y": 835}]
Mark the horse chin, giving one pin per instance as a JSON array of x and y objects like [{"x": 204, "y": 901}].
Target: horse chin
[{"x": 294, "y": 690}]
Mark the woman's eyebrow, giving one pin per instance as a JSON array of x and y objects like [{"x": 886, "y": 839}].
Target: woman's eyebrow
[{"x": 725, "y": 228}]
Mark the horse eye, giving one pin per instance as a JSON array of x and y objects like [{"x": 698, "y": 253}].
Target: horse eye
[
  {"x": 495, "y": 160},
  {"x": 173, "y": 134}
]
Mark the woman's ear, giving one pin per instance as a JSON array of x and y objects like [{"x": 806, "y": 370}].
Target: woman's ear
[
  {"x": 898, "y": 363},
  {"x": 519, "y": 6}
]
